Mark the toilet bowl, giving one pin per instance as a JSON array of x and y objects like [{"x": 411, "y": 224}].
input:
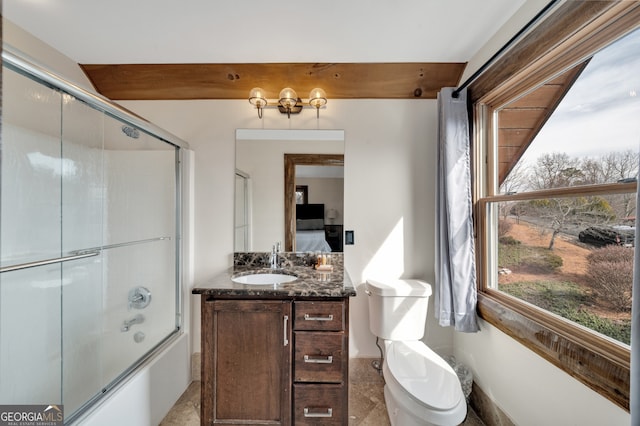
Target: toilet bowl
[{"x": 421, "y": 388}]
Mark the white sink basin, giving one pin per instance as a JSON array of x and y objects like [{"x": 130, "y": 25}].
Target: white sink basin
[{"x": 264, "y": 279}]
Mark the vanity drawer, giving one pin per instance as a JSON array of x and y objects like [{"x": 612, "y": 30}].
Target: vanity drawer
[
  {"x": 328, "y": 316},
  {"x": 319, "y": 404},
  {"x": 318, "y": 357}
]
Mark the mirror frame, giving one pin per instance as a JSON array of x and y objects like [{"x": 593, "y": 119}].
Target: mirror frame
[{"x": 290, "y": 163}]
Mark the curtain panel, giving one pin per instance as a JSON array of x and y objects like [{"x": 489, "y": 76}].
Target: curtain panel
[{"x": 455, "y": 290}]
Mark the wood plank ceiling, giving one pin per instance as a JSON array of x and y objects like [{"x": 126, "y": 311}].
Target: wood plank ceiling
[
  {"x": 520, "y": 121},
  {"x": 234, "y": 81}
]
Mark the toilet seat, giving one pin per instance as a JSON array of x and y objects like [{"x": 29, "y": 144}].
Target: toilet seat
[{"x": 424, "y": 375}]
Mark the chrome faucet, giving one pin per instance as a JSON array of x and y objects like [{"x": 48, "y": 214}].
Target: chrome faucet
[
  {"x": 274, "y": 261},
  {"x": 138, "y": 319}
]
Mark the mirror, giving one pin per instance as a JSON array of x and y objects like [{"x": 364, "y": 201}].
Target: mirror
[{"x": 275, "y": 166}]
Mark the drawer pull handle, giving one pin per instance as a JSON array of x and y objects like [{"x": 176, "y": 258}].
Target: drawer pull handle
[
  {"x": 308, "y": 317},
  {"x": 327, "y": 413},
  {"x": 286, "y": 328},
  {"x": 318, "y": 359}
]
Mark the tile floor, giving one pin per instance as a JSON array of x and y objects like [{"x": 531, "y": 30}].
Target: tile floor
[{"x": 366, "y": 401}]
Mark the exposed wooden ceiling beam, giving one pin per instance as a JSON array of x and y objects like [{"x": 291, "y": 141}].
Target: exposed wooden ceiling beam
[{"x": 234, "y": 81}]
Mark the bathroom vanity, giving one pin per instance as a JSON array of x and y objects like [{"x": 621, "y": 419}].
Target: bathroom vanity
[{"x": 276, "y": 354}]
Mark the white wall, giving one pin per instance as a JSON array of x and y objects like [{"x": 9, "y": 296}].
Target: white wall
[
  {"x": 19, "y": 39},
  {"x": 529, "y": 389},
  {"x": 388, "y": 187}
]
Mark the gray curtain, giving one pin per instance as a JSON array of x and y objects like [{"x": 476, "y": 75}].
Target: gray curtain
[
  {"x": 455, "y": 290},
  {"x": 634, "y": 397}
]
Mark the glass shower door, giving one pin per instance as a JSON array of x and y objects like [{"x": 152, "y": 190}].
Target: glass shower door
[
  {"x": 139, "y": 246},
  {"x": 83, "y": 193},
  {"x": 89, "y": 284},
  {"x": 120, "y": 200},
  {"x": 30, "y": 298}
]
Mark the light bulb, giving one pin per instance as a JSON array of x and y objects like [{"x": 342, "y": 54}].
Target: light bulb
[
  {"x": 257, "y": 97},
  {"x": 317, "y": 97},
  {"x": 288, "y": 97}
]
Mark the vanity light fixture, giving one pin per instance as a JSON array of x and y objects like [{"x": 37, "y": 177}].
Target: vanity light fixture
[{"x": 288, "y": 101}]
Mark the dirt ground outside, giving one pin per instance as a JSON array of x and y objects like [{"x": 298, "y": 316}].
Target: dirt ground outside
[
  {"x": 574, "y": 263},
  {"x": 574, "y": 256}
]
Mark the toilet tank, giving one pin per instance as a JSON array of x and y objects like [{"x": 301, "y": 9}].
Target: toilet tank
[{"x": 398, "y": 308}]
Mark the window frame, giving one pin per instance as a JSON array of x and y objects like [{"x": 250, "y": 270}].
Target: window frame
[{"x": 569, "y": 35}]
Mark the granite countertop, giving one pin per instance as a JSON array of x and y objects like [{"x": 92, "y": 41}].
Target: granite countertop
[{"x": 310, "y": 282}]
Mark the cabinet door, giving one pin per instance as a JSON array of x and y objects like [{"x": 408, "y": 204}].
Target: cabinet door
[{"x": 246, "y": 362}]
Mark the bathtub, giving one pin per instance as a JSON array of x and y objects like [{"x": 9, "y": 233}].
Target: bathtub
[{"x": 147, "y": 395}]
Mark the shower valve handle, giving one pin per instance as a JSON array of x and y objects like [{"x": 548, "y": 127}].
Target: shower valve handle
[{"x": 139, "y": 297}]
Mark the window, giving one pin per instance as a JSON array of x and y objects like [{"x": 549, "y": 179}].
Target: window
[
  {"x": 555, "y": 213},
  {"x": 302, "y": 194}
]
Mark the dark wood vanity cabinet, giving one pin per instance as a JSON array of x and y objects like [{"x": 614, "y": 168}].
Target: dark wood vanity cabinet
[{"x": 275, "y": 362}]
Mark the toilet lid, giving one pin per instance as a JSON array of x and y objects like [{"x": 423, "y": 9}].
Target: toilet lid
[{"x": 424, "y": 374}]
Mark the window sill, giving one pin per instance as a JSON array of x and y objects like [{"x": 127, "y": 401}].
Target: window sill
[{"x": 600, "y": 363}]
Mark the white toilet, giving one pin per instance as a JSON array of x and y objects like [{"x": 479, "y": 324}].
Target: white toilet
[{"x": 420, "y": 388}]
